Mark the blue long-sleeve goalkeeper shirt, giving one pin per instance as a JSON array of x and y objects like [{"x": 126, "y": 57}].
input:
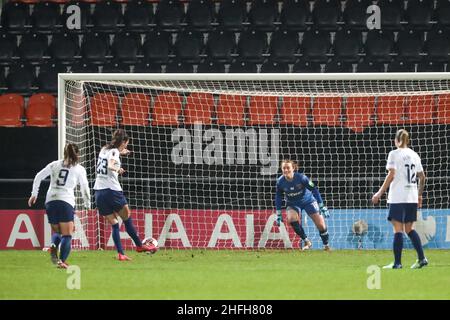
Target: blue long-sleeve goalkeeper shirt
[{"x": 299, "y": 192}]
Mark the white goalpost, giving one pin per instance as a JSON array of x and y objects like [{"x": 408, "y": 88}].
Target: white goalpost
[{"x": 206, "y": 151}]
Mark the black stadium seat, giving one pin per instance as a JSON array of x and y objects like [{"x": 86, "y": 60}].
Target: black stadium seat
[
  {"x": 157, "y": 46},
  {"x": 355, "y": 14},
  {"x": 64, "y": 47},
  {"x": 347, "y": 45},
  {"x": 239, "y": 66},
  {"x": 419, "y": 14},
  {"x": 147, "y": 67},
  {"x": 302, "y": 66},
  {"x": 169, "y": 14},
  {"x": 220, "y": 45},
  {"x": 116, "y": 67},
  {"x": 176, "y": 66},
  {"x": 84, "y": 67},
  {"x": 295, "y": 14},
  {"x": 438, "y": 45},
  {"x": 126, "y": 47},
  {"x": 47, "y": 79},
  {"x": 232, "y": 14},
  {"x": 392, "y": 14},
  {"x": 209, "y": 66},
  {"x": 8, "y": 47},
  {"x": 21, "y": 78},
  {"x": 431, "y": 66},
  {"x": 138, "y": 16},
  {"x": 326, "y": 14},
  {"x": 337, "y": 66},
  {"x": 200, "y": 14},
  {"x": 369, "y": 66},
  {"x": 33, "y": 47},
  {"x": 443, "y": 13},
  {"x": 46, "y": 16},
  {"x": 106, "y": 17},
  {"x": 252, "y": 45},
  {"x": 401, "y": 66},
  {"x": 274, "y": 67},
  {"x": 188, "y": 46},
  {"x": 95, "y": 47},
  {"x": 316, "y": 45},
  {"x": 263, "y": 14},
  {"x": 379, "y": 45},
  {"x": 410, "y": 45},
  {"x": 283, "y": 46},
  {"x": 15, "y": 16}
]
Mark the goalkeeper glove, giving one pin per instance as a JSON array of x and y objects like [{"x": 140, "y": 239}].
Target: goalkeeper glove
[
  {"x": 279, "y": 217},
  {"x": 324, "y": 211}
]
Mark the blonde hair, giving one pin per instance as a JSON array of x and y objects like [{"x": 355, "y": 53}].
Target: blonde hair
[
  {"x": 292, "y": 162},
  {"x": 402, "y": 137}
]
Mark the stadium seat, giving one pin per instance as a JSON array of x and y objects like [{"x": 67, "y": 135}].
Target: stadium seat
[
  {"x": 326, "y": 14},
  {"x": 2, "y": 79},
  {"x": 8, "y": 48},
  {"x": 239, "y": 66},
  {"x": 47, "y": 80},
  {"x": 21, "y": 78},
  {"x": 431, "y": 66},
  {"x": 116, "y": 67},
  {"x": 43, "y": 98},
  {"x": 263, "y": 14},
  {"x": 15, "y": 16},
  {"x": 136, "y": 109},
  {"x": 208, "y": 66},
  {"x": 438, "y": 45},
  {"x": 359, "y": 112},
  {"x": 401, "y": 66},
  {"x": 283, "y": 46},
  {"x": 306, "y": 67},
  {"x": 295, "y": 14},
  {"x": 64, "y": 47},
  {"x": 262, "y": 110},
  {"x": 33, "y": 47},
  {"x": 316, "y": 45},
  {"x": 231, "y": 109},
  {"x": 83, "y": 67},
  {"x": 45, "y": 16},
  {"x": 379, "y": 45},
  {"x": 39, "y": 115},
  {"x": 104, "y": 109},
  {"x": 188, "y": 46},
  {"x": 157, "y": 46},
  {"x": 199, "y": 108},
  {"x": 138, "y": 16},
  {"x": 200, "y": 14},
  {"x": 327, "y": 111},
  {"x": 167, "y": 109},
  {"x": 390, "y": 110},
  {"x": 95, "y": 47},
  {"x": 409, "y": 45},
  {"x": 420, "y": 109},
  {"x": 355, "y": 14},
  {"x": 347, "y": 45},
  {"x": 392, "y": 14},
  {"x": 220, "y": 45},
  {"x": 443, "y": 13},
  {"x": 419, "y": 14},
  {"x": 369, "y": 66},
  {"x": 252, "y": 44},
  {"x": 169, "y": 14},
  {"x": 147, "y": 67},
  {"x": 106, "y": 17},
  {"x": 85, "y": 18},
  {"x": 295, "y": 110},
  {"x": 232, "y": 14},
  {"x": 176, "y": 66},
  {"x": 11, "y": 110},
  {"x": 338, "y": 66},
  {"x": 126, "y": 47},
  {"x": 274, "y": 67},
  {"x": 443, "y": 109}
]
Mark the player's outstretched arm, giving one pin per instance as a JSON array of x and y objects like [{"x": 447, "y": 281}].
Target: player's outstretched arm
[{"x": 41, "y": 175}]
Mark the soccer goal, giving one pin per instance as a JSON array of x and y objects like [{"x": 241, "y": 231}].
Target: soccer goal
[{"x": 206, "y": 152}]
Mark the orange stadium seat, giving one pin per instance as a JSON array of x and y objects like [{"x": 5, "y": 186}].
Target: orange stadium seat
[
  {"x": 43, "y": 98},
  {"x": 40, "y": 115},
  {"x": 199, "y": 108},
  {"x": 295, "y": 111},
  {"x": 420, "y": 109},
  {"x": 443, "y": 109},
  {"x": 167, "y": 109},
  {"x": 262, "y": 110},
  {"x": 11, "y": 110},
  {"x": 136, "y": 109},
  {"x": 327, "y": 111},
  {"x": 231, "y": 110},
  {"x": 104, "y": 109},
  {"x": 359, "y": 111},
  {"x": 390, "y": 110}
]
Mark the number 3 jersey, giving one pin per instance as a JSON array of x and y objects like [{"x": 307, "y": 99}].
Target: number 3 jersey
[
  {"x": 106, "y": 178},
  {"x": 63, "y": 181},
  {"x": 407, "y": 164}
]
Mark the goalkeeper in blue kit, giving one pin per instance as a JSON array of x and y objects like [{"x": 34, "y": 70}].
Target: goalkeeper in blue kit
[{"x": 300, "y": 194}]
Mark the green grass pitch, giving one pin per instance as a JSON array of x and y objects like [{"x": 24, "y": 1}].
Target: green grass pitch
[{"x": 224, "y": 275}]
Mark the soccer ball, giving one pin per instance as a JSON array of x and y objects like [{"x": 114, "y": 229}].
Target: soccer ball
[{"x": 152, "y": 243}]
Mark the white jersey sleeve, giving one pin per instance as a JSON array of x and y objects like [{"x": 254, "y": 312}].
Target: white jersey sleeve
[
  {"x": 107, "y": 178},
  {"x": 41, "y": 175},
  {"x": 84, "y": 187}
]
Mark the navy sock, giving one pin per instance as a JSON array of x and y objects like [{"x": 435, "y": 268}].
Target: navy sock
[
  {"x": 132, "y": 232},
  {"x": 66, "y": 245},
  {"x": 56, "y": 239},
  {"x": 298, "y": 229},
  {"x": 415, "y": 239},
  {"x": 324, "y": 236},
  {"x": 398, "y": 247},
  {"x": 116, "y": 238}
]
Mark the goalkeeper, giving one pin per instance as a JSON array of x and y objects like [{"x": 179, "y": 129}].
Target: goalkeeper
[{"x": 300, "y": 193}]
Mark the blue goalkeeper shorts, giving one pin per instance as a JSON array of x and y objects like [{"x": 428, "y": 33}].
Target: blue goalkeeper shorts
[{"x": 310, "y": 208}]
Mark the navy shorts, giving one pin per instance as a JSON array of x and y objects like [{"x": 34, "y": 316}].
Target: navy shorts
[
  {"x": 403, "y": 212},
  {"x": 59, "y": 211},
  {"x": 310, "y": 208},
  {"x": 109, "y": 201}
]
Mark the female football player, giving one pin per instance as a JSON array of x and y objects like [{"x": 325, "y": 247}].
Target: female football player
[
  {"x": 111, "y": 202},
  {"x": 65, "y": 175},
  {"x": 404, "y": 167},
  {"x": 300, "y": 194}
]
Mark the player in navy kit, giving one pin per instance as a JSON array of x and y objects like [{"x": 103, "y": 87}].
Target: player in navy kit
[
  {"x": 404, "y": 166},
  {"x": 300, "y": 194}
]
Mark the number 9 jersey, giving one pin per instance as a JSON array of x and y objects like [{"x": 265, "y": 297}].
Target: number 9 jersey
[
  {"x": 107, "y": 178},
  {"x": 63, "y": 181},
  {"x": 407, "y": 164}
]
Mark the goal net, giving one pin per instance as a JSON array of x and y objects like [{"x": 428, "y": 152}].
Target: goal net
[{"x": 206, "y": 152}]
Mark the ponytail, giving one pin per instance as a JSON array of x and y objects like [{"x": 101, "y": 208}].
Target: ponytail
[
  {"x": 119, "y": 137},
  {"x": 402, "y": 137},
  {"x": 71, "y": 154}
]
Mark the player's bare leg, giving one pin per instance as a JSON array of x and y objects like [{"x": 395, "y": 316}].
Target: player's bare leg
[
  {"x": 294, "y": 219},
  {"x": 319, "y": 221}
]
